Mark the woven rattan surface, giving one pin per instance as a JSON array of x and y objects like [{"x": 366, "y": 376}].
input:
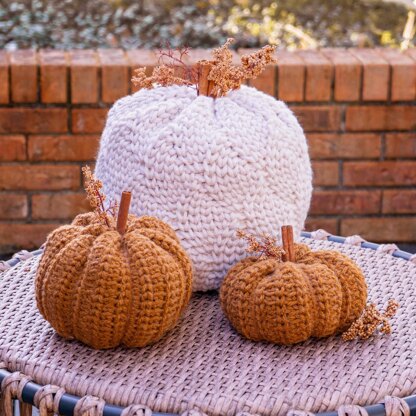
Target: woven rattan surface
[{"x": 203, "y": 363}]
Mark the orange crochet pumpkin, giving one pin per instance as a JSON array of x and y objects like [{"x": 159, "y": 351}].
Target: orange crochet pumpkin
[
  {"x": 106, "y": 286},
  {"x": 311, "y": 294}
]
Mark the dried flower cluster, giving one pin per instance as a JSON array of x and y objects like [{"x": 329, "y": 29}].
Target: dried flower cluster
[
  {"x": 370, "y": 321},
  {"x": 265, "y": 246},
  {"x": 223, "y": 75},
  {"x": 162, "y": 75},
  {"x": 96, "y": 198},
  {"x": 227, "y": 77},
  {"x": 172, "y": 70}
]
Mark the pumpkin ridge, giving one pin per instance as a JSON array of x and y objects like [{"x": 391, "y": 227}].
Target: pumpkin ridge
[
  {"x": 240, "y": 274},
  {"x": 62, "y": 276},
  {"x": 288, "y": 297},
  {"x": 152, "y": 223},
  {"x": 354, "y": 288},
  {"x": 47, "y": 256},
  {"x": 149, "y": 271},
  {"x": 228, "y": 282},
  {"x": 327, "y": 295},
  {"x": 128, "y": 268},
  {"x": 314, "y": 304},
  {"x": 252, "y": 275},
  {"x": 173, "y": 249},
  {"x": 102, "y": 308}
]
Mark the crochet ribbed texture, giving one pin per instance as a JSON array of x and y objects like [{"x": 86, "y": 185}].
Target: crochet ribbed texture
[
  {"x": 106, "y": 289},
  {"x": 208, "y": 167},
  {"x": 318, "y": 295}
]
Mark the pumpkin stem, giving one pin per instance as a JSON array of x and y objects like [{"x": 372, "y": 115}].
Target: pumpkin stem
[
  {"x": 287, "y": 242},
  {"x": 123, "y": 212},
  {"x": 204, "y": 86}
]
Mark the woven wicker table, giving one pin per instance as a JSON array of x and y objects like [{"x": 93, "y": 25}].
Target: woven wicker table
[{"x": 204, "y": 366}]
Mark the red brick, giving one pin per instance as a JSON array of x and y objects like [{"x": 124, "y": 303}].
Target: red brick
[
  {"x": 59, "y": 205},
  {"x": 62, "y": 148},
  {"x": 325, "y": 173},
  {"x": 319, "y": 71},
  {"x": 370, "y": 118},
  {"x": 13, "y": 206},
  {"x": 114, "y": 74},
  {"x": 386, "y": 229},
  {"x": 384, "y": 173},
  {"x": 344, "y": 146},
  {"x": 4, "y": 78},
  {"x": 266, "y": 81},
  {"x": 33, "y": 120},
  {"x": 14, "y": 236},
  {"x": 399, "y": 201},
  {"x": 340, "y": 202},
  {"x": 318, "y": 118},
  {"x": 403, "y": 74},
  {"x": 142, "y": 58},
  {"x": 39, "y": 177},
  {"x": 24, "y": 76},
  {"x": 84, "y": 76},
  {"x": 317, "y": 223},
  {"x": 400, "y": 145},
  {"x": 347, "y": 68},
  {"x": 375, "y": 74},
  {"x": 53, "y": 76},
  {"x": 411, "y": 53},
  {"x": 88, "y": 120},
  {"x": 291, "y": 76},
  {"x": 12, "y": 148}
]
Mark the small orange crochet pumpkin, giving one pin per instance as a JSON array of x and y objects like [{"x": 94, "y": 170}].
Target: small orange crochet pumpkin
[
  {"x": 293, "y": 294},
  {"x": 106, "y": 286}
]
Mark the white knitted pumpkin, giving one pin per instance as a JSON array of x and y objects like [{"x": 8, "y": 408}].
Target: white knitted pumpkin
[{"x": 208, "y": 167}]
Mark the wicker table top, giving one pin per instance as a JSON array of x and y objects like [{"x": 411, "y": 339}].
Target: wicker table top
[{"x": 204, "y": 364}]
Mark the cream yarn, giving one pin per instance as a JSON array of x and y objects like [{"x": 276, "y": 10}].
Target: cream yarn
[{"x": 208, "y": 167}]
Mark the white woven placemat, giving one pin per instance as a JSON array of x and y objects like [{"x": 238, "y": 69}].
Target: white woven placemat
[{"x": 203, "y": 363}]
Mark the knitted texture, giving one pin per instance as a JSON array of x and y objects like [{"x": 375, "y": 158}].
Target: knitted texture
[
  {"x": 106, "y": 289},
  {"x": 318, "y": 295},
  {"x": 208, "y": 167}
]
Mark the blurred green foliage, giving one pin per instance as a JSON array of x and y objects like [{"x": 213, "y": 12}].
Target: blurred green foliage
[{"x": 200, "y": 23}]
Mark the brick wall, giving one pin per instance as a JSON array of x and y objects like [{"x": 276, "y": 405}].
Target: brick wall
[{"x": 357, "y": 108}]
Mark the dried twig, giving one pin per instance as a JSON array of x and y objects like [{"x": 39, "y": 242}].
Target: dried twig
[
  {"x": 265, "y": 246},
  {"x": 96, "y": 198},
  {"x": 370, "y": 321}
]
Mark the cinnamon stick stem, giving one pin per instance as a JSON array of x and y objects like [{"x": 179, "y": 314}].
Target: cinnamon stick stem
[
  {"x": 123, "y": 212},
  {"x": 203, "y": 83},
  {"x": 287, "y": 242}
]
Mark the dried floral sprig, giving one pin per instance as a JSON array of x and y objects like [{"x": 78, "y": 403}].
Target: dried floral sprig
[
  {"x": 162, "y": 75},
  {"x": 265, "y": 246},
  {"x": 223, "y": 74},
  {"x": 226, "y": 76},
  {"x": 255, "y": 63},
  {"x": 370, "y": 321},
  {"x": 176, "y": 59},
  {"x": 96, "y": 197}
]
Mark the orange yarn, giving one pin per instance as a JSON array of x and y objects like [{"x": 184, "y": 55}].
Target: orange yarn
[
  {"x": 105, "y": 289},
  {"x": 318, "y": 294}
]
